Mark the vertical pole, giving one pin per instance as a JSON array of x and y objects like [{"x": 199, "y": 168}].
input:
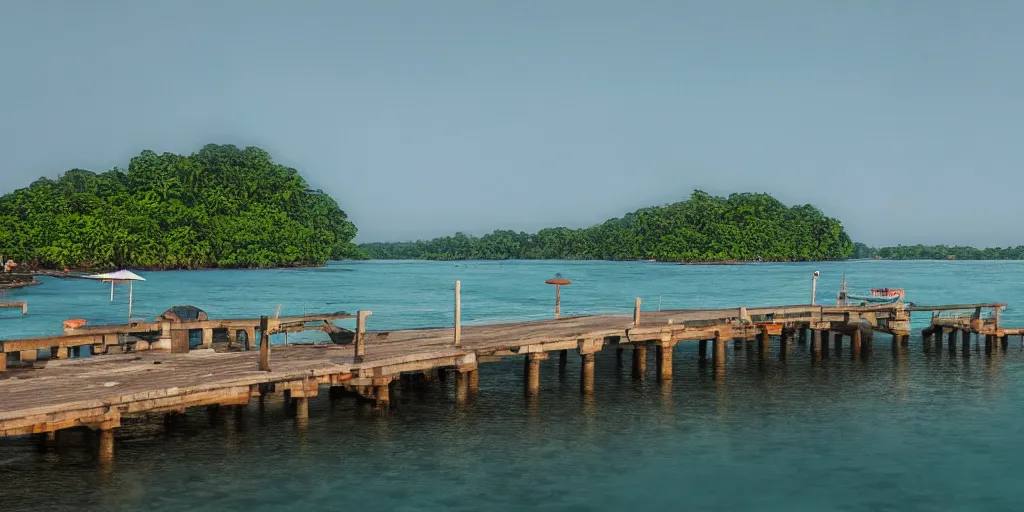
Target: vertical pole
[
  {"x": 816, "y": 345},
  {"x": 461, "y": 386},
  {"x": 766, "y": 341},
  {"x": 636, "y": 312},
  {"x": 106, "y": 448},
  {"x": 664, "y": 351},
  {"x": 639, "y": 360},
  {"x": 111, "y": 290},
  {"x": 458, "y": 313},
  {"x": 264, "y": 364},
  {"x": 474, "y": 380},
  {"x": 702, "y": 351},
  {"x": 855, "y": 344},
  {"x": 360, "y": 336},
  {"x": 838, "y": 348},
  {"x": 130, "y": 289},
  {"x": 587, "y": 374},
  {"x": 558, "y": 300},
  {"x": 563, "y": 359},
  {"x": 951, "y": 340},
  {"x": 965, "y": 338},
  {"x": 814, "y": 287},
  {"x": 532, "y": 374},
  {"x": 718, "y": 359},
  {"x": 301, "y": 408}
]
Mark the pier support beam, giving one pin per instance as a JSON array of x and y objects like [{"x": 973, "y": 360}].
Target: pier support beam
[
  {"x": 106, "y": 445},
  {"x": 474, "y": 381},
  {"x": 207, "y": 338},
  {"x": 951, "y": 339},
  {"x": 664, "y": 352},
  {"x": 301, "y": 408},
  {"x": 718, "y": 360},
  {"x": 1004, "y": 342},
  {"x": 816, "y": 345},
  {"x": 802, "y": 336},
  {"x": 461, "y": 386},
  {"x": 639, "y": 360},
  {"x": 702, "y": 351},
  {"x": 838, "y": 345},
  {"x": 563, "y": 360},
  {"x": 856, "y": 345},
  {"x": 382, "y": 395},
  {"x": 764, "y": 345},
  {"x": 532, "y": 371},
  {"x": 965, "y": 339},
  {"x": 587, "y": 374}
]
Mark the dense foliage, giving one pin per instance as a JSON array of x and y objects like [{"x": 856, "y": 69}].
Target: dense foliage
[
  {"x": 939, "y": 252},
  {"x": 742, "y": 227},
  {"x": 220, "y": 207}
]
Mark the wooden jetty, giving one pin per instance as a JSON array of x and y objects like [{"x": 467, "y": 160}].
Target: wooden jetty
[
  {"x": 163, "y": 378},
  {"x": 23, "y": 306}
]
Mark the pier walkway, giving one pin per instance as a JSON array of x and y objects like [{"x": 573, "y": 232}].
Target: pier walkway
[{"x": 144, "y": 379}]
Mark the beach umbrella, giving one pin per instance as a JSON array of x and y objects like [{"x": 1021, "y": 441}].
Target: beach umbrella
[
  {"x": 119, "y": 277},
  {"x": 559, "y": 282}
]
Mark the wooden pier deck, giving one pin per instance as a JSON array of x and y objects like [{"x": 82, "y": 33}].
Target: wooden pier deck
[{"x": 97, "y": 392}]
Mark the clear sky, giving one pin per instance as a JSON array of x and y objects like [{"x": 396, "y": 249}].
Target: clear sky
[{"x": 422, "y": 118}]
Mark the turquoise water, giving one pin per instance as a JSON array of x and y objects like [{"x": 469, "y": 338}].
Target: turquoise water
[{"x": 920, "y": 430}]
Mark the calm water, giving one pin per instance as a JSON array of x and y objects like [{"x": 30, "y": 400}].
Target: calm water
[{"x": 917, "y": 431}]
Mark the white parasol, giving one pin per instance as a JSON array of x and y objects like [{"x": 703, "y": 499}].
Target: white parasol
[{"x": 121, "y": 276}]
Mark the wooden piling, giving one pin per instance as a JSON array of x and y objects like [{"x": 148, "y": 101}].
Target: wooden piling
[
  {"x": 264, "y": 361},
  {"x": 965, "y": 338},
  {"x": 825, "y": 345},
  {"x": 639, "y": 360},
  {"x": 563, "y": 360},
  {"x": 359, "y": 340},
  {"x": 474, "y": 381},
  {"x": 532, "y": 371},
  {"x": 587, "y": 374},
  {"x": 856, "y": 345},
  {"x": 718, "y": 359},
  {"x": 301, "y": 407},
  {"x": 636, "y": 313},
  {"x": 765, "y": 341},
  {"x": 702, "y": 351},
  {"x": 106, "y": 445},
  {"x": 382, "y": 395},
  {"x": 816, "y": 345},
  {"x": 461, "y": 386},
  {"x": 951, "y": 339},
  {"x": 664, "y": 353},
  {"x": 838, "y": 345},
  {"x": 458, "y": 313}
]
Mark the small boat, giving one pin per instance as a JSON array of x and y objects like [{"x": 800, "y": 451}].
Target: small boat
[{"x": 878, "y": 296}]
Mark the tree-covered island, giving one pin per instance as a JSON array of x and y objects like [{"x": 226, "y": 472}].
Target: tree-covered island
[{"x": 220, "y": 207}]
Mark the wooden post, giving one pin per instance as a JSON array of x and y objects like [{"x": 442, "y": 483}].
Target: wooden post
[
  {"x": 838, "y": 348},
  {"x": 636, "y": 313},
  {"x": 639, "y": 360},
  {"x": 264, "y": 362},
  {"x": 301, "y": 408},
  {"x": 824, "y": 345},
  {"x": 855, "y": 344},
  {"x": 664, "y": 352},
  {"x": 382, "y": 395},
  {"x": 24, "y": 308},
  {"x": 563, "y": 360},
  {"x": 458, "y": 313},
  {"x": 965, "y": 338},
  {"x": 990, "y": 342},
  {"x": 764, "y": 346},
  {"x": 702, "y": 351},
  {"x": 474, "y": 380},
  {"x": 1004, "y": 342},
  {"x": 360, "y": 336},
  {"x": 532, "y": 371},
  {"x": 558, "y": 300},
  {"x": 106, "y": 445},
  {"x": 719, "y": 357},
  {"x": 587, "y": 374},
  {"x": 461, "y": 386},
  {"x": 207, "y": 338},
  {"x": 816, "y": 345},
  {"x": 951, "y": 340}
]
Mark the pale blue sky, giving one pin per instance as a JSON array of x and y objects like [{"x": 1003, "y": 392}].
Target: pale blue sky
[{"x": 422, "y": 118}]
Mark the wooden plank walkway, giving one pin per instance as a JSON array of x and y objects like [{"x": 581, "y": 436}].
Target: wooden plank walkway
[{"x": 97, "y": 392}]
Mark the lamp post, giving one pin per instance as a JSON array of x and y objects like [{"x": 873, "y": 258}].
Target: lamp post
[
  {"x": 814, "y": 286},
  {"x": 558, "y": 281}
]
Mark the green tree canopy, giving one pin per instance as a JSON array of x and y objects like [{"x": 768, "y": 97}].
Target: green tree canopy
[
  {"x": 742, "y": 227},
  {"x": 220, "y": 207}
]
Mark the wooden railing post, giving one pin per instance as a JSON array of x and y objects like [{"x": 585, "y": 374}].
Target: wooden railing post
[
  {"x": 264, "y": 364},
  {"x": 636, "y": 313},
  {"x": 360, "y": 337},
  {"x": 458, "y": 313}
]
